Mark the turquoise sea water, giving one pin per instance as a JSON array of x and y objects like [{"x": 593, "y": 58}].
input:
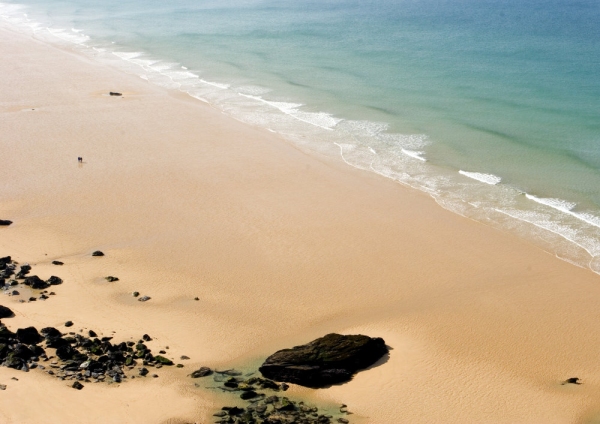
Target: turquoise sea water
[{"x": 492, "y": 107}]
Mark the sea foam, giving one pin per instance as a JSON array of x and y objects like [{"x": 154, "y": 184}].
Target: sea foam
[{"x": 484, "y": 178}]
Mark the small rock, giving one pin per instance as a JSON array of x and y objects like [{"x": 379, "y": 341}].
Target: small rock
[
  {"x": 135, "y": 294},
  {"x": 54, "y": 281},
  {"x": 69, "y": 324},
  {"x": 111, "y": 279},
  {"x": 144, "y": 298},
  {"x": 146, "y": 338},
  {"x": 5, "y": 222},
  {"x": 343, "y": 420},
  {"x": 97, "y": 253},
  {"x": 162, "y": 360},
  {"x": 92, "y": 333},
  {"x": 185, "y": 357},
  {"x": 114, "y": 93},
  {"x": 202, "y": 372},
  {"x": 57, "y": 263},
  {"x": 179, "y": 365},
  {"x": 32, "y": 299},
  {"x": 250, "y": 394},
  {"x": 77, "y": 385},
  {"x": 15, "y": 293},
  {"x": 143, "y": 371},
  {"x": 196, "y": 298},
  {"x": 154, "y": 375},
  {"x": 572, "y": 380},
  {"x": 284, "y": 386},
  {"x": 2, "y": 386}
]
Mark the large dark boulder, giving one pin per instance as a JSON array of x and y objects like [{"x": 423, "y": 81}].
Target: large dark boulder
[
  {"x": 29, "y": 335},
  {"x": 5, "y": 312},
  {"x": 50, "y": 332},
  {"x": 328, "y": 360}
]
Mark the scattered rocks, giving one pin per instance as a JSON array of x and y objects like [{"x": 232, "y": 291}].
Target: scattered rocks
[
  {"x": 97, "y": 253},
  {"x": 6, "y": 312},
  {"x": 110, "y": 279},
  {"x": 5, "y": 222},
  {"x": 202, "y": 372},
  {"x": 144, "y": 299},
  {"x": 328, "y": 360},
  {"x": 57, "y": 263}
]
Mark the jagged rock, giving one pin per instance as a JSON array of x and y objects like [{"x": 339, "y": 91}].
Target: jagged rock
[
  {"x": 97, "y": 253},
  {"x": 5, "y": 222},
  {"x": 111, "y": 279},
  {"x": 6, "y": 312},
  {"x": 143, "y": 371},
  {"x": 35, "y": 282},
  {"x": 54, "y": 280},
  {"x": 328, "y": 360},
  {"x": 28, "y": 335},
  {"x": 77, "y": 385},
  {"x": 57, "y": 263},
  {"x": 202, "y": 372}
]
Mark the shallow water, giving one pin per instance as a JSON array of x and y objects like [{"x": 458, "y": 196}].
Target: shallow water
[{"x": 491, "y": 107}]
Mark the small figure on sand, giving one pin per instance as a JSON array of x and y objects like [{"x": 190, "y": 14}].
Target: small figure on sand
[{"x": 80, "y": 159}]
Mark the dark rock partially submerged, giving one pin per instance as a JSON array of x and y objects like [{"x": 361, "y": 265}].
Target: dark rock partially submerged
[{"x": 328, "y": 360}]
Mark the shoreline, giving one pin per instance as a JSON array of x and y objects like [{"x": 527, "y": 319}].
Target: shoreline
[{"x": 187, "y": 202}]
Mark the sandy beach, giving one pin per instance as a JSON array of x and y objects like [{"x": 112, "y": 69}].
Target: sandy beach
[{"x": 280, "y": 247}]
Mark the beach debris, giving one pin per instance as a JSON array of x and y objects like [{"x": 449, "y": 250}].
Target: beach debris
[
  {"x": 110, "y": 278},
  {"x": 201, "y": 372},
  {"x": 331, "y": 359},
  {"x": 6, "y": 312},
  {"x": 57, "y": 263},
  {"x": 114, "y": 93},
  {"x": 97, "y": 253},
  {"x": 572, "y": 380},
  {"x": 5, "y": 222},
  {"x": 69, "y": 324},
  {"x": 144, "y": 298}
]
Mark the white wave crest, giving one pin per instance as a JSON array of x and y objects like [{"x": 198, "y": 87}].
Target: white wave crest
[
  {"x": 490, "y": 179},
  {"x": 414, "y": 154},
  {"x": 566, "y": 207}
]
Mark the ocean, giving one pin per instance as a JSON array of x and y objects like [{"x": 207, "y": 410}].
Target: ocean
[{"x": 492, "y": 107}]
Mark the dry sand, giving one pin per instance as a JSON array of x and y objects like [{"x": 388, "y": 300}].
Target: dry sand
[{"x": 280, "y": 247}]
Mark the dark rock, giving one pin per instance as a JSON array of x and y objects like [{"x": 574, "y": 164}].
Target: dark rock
[
  {"x": 572, "y": 380},
  {"x": 110, "y": 278},
  {"x": 77, "y": 385},
  {"x": 15, "y": 293},
  {"x": 143, "y": 371},
  {"x": 249, "y": 394},
  {"x": 65, "y": 352},
  {"x": 144, "y": 298},
  {"x": 69, "y": 324},
  {"x": 342, "y": 420},
  {"x": 114, "y": 93},
  {"x": 6, "y": 312},
  {"x": 92, "y": 333},
  {"x": 35, "y": 282},
  {"x": 57, "y": 263},
  {"x": 54, "y": 281},
  {"x": 183, "y": 357},
  {"x": 328, "y": 360},
  {"x": 5, "y": 222},
  {"x": 32, "y": 299},
  {"x": 50, "y": 332},
  {"x": 29, "y": 335},
  {"x": 135, "y": 294},
  {"x": 202, "y": 372},
  {"x": 97, "y": 253},
  {"x": 146, "y": 338}
]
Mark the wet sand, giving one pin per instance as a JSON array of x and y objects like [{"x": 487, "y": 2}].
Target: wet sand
[{"x": 280, "y": 247}]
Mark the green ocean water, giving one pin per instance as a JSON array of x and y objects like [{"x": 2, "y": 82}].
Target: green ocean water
[{"x": 491, "y": 107}]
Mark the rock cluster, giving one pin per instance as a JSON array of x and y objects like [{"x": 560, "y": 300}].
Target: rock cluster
[
  {"x": 264, "y": 406},
  {"x": 10, "y": 277},
  {"x": 331, "y": 359},
  {"x": 77, "y": 358}
]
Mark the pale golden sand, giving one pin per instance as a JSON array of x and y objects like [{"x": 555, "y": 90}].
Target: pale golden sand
[{"x": 281, "y": 247}]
